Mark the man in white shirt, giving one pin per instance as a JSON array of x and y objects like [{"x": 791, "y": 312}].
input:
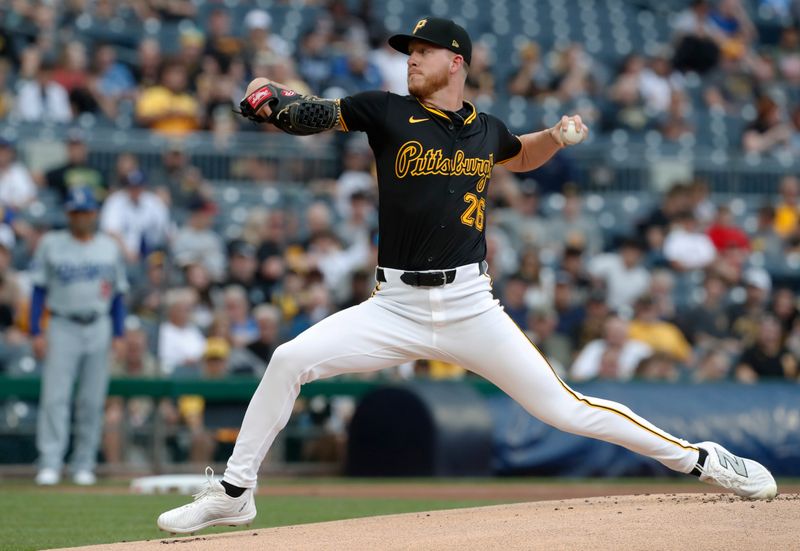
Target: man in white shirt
[
  {"x": 685, "y": 247},
  {"x": 615, "y": 356},
  {"x": 17, "y": 188},
  {"x": 622, "y": 273},
  {"x": 136, "y": 217},
  {"x": 42, "y": 98},
  {"x": 180, "y": 343}
]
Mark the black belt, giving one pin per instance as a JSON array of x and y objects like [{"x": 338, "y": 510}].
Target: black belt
[
  {"x": 426, "y": 279},
  {"x": 82, "y": 319}
]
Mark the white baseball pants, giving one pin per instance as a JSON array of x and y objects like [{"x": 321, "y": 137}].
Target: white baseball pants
[{"x": 460, "y": 323}]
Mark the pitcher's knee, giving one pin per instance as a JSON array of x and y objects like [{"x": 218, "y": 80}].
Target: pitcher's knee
[{"x": 289, "y": 360}]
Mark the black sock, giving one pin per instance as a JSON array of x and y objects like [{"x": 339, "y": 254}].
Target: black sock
[
  {"x": 701, "y": 461},
  {"x": 231, "y": 490}
]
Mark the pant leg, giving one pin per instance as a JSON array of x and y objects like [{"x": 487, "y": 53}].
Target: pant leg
[
  {"x": 58, "y": 378},
  {"x": 91, "y": 394},
  {"x": 363, "y": 338},
  {"x": 492, "y": 346}
]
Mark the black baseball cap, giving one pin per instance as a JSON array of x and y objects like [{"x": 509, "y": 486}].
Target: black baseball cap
[{"x": 441, "y": 32}]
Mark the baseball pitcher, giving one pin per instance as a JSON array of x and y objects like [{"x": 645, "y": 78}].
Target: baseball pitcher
[{"x": 433, "y": 299}]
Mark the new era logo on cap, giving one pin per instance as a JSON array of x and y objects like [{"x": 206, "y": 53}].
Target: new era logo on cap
[{"x": 258, "y": 97}]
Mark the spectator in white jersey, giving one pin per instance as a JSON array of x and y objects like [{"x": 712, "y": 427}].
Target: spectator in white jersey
[{"x": 136, "y": 217}]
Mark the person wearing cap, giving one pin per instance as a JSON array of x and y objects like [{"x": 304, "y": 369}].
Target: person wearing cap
[
  {"x": 243, "y": 270},
  {"x": 745, "y": 317},
  {"x": 196, "y": 239},
  {"x": 433, "y": 300},
  {"x": 79, "y": 275},
  {"x": 136, "y": 217}
]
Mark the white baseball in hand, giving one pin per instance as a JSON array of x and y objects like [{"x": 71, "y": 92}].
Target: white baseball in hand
[{"x": 571, "y": 135}]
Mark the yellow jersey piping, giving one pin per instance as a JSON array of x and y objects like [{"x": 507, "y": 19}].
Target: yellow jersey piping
[
  {"x": 474, "y": 114},
  {"x": 341, "y": 119},
  {"x": 598, "y": 406},
  {"x": 442, "y": 114}
]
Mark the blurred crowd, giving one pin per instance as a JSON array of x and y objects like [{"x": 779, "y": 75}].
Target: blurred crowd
[
  {"x": 683, "y": 295},
  {"x": 680, "y": 295},
  {"x": 180, "y": 66}
]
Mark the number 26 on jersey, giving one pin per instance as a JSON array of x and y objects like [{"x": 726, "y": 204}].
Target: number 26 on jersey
[{"x": 475, "y": 212}]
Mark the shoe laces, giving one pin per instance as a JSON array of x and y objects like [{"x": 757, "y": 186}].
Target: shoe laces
[{"x": 211, "y": 486}]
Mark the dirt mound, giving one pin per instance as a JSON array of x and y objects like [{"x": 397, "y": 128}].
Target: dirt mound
[{"x": 658, "y": 521}]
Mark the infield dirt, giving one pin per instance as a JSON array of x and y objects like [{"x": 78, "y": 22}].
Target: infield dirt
[{"x": 631, "y": 522}]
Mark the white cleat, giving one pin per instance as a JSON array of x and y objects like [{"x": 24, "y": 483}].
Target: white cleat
[
  {"x": 48, "y": 477},
  {"x": 211, "y": 507},
  {"x": 84, "y": 478},
  {"x": 744, "y": 477}
]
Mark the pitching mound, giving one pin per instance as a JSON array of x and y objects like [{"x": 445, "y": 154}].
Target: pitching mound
[{"x": 662, "y": 521}]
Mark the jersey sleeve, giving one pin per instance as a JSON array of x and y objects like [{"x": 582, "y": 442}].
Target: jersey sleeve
[
  {"x": 365, "y": 112},
  {"x": 508, "y": 145},
  {"x": 38, "y": 267}
]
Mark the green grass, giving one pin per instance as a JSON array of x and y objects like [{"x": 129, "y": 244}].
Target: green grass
[
  {"x": 35, "y": 518},
  {"x": 43, "y": 519}
]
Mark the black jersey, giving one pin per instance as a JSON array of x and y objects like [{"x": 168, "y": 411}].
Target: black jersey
[{"x": 433, "y": 176}]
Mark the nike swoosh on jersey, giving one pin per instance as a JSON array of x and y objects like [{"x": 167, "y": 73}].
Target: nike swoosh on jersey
[{"x": 412, "y": 120}]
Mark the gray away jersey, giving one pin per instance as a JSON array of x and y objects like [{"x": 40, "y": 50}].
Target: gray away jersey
[{"x": 80, "y": 277}]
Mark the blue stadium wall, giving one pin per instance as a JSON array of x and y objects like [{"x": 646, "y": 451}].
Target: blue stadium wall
[{"x": 761, "y": 422}]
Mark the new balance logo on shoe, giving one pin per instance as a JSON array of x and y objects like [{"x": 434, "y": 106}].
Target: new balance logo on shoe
[
  {"x": 730, "y": 461},
  {"x": 744, "y": 477}
]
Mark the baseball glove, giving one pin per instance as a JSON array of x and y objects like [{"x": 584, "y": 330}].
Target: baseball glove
[{"x": 292, "y": 113}]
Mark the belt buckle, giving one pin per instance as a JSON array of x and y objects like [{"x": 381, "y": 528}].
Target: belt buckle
[{"x": 437, "y": 279}]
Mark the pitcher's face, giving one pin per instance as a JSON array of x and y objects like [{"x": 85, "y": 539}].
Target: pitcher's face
[{"x": 428, "y": 68}]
